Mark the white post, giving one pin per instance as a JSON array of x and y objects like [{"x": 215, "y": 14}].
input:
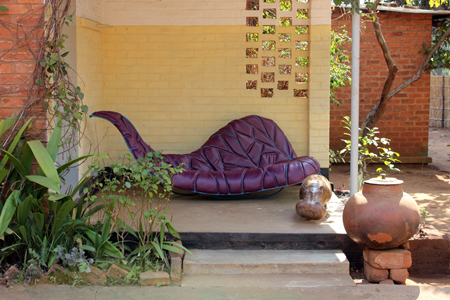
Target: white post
[{"x": 354, "y": 104}]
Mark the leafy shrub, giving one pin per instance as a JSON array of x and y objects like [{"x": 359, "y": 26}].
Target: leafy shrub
[
  {"x": 371, "y": 149},
  {"x": 36, "y": 218},
  {"x": 136, "y": 194},
  {"x": 340, "y": 68}
]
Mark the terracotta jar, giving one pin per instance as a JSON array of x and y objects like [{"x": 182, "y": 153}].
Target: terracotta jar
[{"x": 381, "y": 216}]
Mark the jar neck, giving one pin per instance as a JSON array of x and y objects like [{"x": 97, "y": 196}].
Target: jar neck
[{"x": 382, "y": 189}]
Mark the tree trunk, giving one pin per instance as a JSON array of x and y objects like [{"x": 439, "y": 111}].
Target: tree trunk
[{"x": 378, "y": 110}]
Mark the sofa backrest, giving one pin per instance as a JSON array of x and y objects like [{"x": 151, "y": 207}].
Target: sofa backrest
[{"x": 249, "y": 142}]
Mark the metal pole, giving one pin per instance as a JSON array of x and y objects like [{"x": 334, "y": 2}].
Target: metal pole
[
  {"x": 355, "y": 104},
  {"x": 443, "y": 101}
]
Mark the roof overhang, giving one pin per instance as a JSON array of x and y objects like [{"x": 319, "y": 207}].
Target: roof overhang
[{"x": 402, "y": 10}]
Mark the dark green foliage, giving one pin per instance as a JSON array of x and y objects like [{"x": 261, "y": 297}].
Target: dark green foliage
[{"x": 340, "y": 69}]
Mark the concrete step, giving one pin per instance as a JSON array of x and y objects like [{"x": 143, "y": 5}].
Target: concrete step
[
  {"x": 268, "y": 281},
  {"x": 264, "y": 262}
]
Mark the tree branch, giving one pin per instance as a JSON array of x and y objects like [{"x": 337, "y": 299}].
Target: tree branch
[
  {"x": 423, "y": 68},
  {"x": 377, "y": 111}
]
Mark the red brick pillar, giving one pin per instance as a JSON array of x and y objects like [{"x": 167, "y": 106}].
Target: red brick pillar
[
  {"x": 387, "y": 266},
  {"x": 19, "y": 43}
]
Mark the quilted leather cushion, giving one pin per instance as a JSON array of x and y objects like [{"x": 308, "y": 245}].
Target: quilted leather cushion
[
  {"x": 250, "y": 142},
  {"x": 247, "y": 155},
  {"x": 247, "y": 180},
  {"x": 129, "y": 133}
]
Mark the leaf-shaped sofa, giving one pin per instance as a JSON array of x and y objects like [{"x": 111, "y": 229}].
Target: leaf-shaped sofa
[{"x": 248, "y": 155}]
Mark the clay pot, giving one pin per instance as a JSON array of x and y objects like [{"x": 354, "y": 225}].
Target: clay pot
[
  {"x": 381, "y": 216},
  {"x": 315, "y": 193}
]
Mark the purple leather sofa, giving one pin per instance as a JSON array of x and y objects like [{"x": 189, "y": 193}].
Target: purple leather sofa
[{"x": 248, "y": 155}]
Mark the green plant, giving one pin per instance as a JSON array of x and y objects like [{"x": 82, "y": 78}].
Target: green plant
[
  {"x": 77, "y": 258},
  {"x": 268, "y": 29},
  {"x": 139, "y": 191},
  {"x": 269, "y": 14},
  {"x": 441, "y": 58},
  {"x": 301, "y": 29},
  {"x": 334, "y": 157},
  {"x": 371, "y": 149},
  {"x": 133, "y": 275},
  {"x": 252, "y": 37},
  {"x": 302, "y": 14},
  {"x": 52, "y": 279},
  {"x": 99, "y": 244},
  {"x": 340, "y": 68},
  {"x": 77, "y": 279},
  {"x": 301, "y": 62},
  {"x": 286, "y": 5},
  {"x": 424, "y": 213},
  {"x": 5, "y": 125},
  {"x": 36, "y": 217}
]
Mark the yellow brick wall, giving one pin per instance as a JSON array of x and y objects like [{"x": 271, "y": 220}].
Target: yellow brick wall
[
  {"x": 179, "y": 84},
  {"x": 90, "y": 72},
  {"x": 173, "y": 12},
  {"x": 319, "y": 93}
]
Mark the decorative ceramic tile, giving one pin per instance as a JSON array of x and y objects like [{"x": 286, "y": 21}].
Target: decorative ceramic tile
[
  {"x": 283, "y": 85},
  {"x": 252, "y": 5},
  {"x": 301, "y": 62},
  {"x": 301, "y": 45},
  {"x": 252, "y": 37},
  {"x": 268, "y": 29},
  {"x": 270, "y": 13},
  {"x": 252, "y": 52},
  {"x": 301, "y": 77},
  {"x": 284, "y": 37},
  {"x": 251, "y": 85},
  {"x": 252, "y": 21},
  {"x": 285, "y": 22},
  {"x": 268, "y": 45},
  {"x": 284, "y": 52},
  {"x": 284, "y": 69},
  {"x": 268, "y": 61},
  {"x": 301, "y": 93},
  {"x": 267, "y": 77},
  {"x": 252, "y": 69},
  {"x": 266, "y": 93}
]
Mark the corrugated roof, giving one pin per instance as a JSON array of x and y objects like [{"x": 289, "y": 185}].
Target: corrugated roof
[
  {"x": 412, "y": 10},
  {"x": 405, "y": 10}
]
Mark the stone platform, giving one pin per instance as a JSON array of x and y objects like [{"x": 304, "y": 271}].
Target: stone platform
[
  {"x": 275, "y": 214},
  {"x": 264, "y": 223},
  {"x": 266, "y": 268}
]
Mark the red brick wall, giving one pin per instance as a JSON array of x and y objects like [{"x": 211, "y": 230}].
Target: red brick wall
[
  {"x": 405, "y": 121},
  {"x": 16, "y": 58}
]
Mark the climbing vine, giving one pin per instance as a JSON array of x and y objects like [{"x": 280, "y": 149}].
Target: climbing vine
[{"x": 50, "y": 91}]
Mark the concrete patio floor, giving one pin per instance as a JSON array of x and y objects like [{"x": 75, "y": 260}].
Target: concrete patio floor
[
  {"x": 274, "y": 214},
  {"x": 358, "y": 292},
  {"x": 204, "y": 214}
]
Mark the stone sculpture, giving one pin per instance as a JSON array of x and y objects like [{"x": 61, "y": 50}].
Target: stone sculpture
[{"x": 315, "y": 192}]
